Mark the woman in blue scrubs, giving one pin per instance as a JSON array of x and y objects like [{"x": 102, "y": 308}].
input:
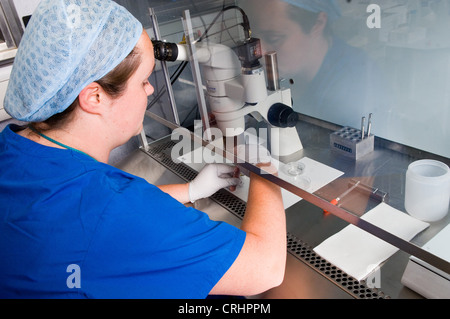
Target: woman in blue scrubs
[{"x": 72, "y": 226}]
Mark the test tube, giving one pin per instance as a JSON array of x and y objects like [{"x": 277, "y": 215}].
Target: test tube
[
  {"x": 363, "y": 123},
  {"x": 369, "y": 125}
]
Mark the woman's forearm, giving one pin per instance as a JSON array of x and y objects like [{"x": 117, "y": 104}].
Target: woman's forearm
[{"x": 178, "y": 191}]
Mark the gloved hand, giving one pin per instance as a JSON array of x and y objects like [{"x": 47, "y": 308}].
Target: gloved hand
[{"x": 212, "y": 178}]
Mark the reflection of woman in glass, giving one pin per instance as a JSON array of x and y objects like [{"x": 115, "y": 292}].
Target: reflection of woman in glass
[
  {"x": 68, "y": 220},
  {"x": 331, "y": 80}
]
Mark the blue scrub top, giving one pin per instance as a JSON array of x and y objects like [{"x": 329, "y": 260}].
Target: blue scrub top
[{"x": 71, "y": 227}]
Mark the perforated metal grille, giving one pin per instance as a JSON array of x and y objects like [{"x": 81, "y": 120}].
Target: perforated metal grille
[
  {"x": 352, "y": 286},
  {"x": 160, "y": 151}
]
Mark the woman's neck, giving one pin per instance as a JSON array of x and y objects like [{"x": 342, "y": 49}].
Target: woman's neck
[{"x": 67, "y": 139}]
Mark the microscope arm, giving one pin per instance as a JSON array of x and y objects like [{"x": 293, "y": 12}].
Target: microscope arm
[{"x": 260, "y": 110}]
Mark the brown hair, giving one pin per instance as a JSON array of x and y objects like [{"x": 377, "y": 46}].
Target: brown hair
[{"x": 114, "y": 83}]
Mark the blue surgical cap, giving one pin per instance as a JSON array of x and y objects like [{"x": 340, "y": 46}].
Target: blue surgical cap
[
  {"x": 330, "y": 7},
  {"x": 67, "y": 44}
]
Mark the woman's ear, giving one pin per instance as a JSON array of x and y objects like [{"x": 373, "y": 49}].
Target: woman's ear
[
  {"x": 92, "y": 98},
  {"x": 321, "y": 23}
]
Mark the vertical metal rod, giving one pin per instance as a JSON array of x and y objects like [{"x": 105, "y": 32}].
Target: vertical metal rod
[
  {"x": 143, "y": 140},
  {"x": 164, "y": 69},
  {"x": 187, "y": 23},
  {"x": 273, "y": 78}
]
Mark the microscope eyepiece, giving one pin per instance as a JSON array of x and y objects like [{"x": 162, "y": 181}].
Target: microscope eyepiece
[
  {"x": 281, "y": 115},
  {"x": 165, "y": 51}
]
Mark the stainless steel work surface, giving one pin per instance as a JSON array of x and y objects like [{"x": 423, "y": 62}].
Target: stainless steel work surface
[
  {"x": 300, "y": 280},
  {"x": 307, "y": 274}
]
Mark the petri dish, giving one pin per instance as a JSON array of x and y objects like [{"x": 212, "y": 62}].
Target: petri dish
[{"x": 294, "y": 168}]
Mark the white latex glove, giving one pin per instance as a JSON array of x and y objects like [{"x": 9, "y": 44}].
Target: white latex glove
[{"x": 212, "y": 178}]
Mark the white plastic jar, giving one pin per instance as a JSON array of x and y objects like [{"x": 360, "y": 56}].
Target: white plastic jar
[{"x": 427, "y": 190}]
